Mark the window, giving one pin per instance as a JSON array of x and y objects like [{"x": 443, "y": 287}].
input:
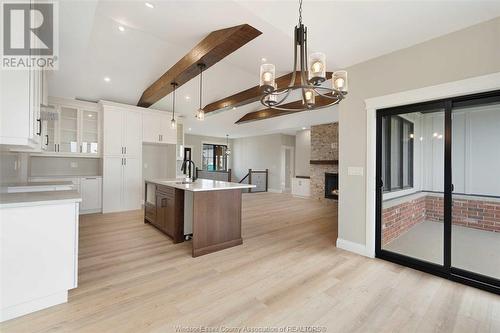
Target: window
[
  {"x": 214, "y": 157},
  {"x": 397, "y": 153}
]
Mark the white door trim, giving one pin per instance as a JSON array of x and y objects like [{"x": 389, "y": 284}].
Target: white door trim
[
  {"x": 292, "y": 165},
  {"x": 469, "y": 86}
]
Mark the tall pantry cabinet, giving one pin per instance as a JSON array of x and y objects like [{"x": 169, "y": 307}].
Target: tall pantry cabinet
[{"x": 122, "y": 157}]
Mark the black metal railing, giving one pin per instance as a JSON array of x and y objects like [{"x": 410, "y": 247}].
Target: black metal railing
[{"x": 259, "y": 178}]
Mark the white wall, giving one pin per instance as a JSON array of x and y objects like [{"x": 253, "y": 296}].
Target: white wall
[
  {"x": 260, "y": 153},
  {"x": 158, "y": 162},
  {"x": 444, "y": 59},
  {"x": 302, "y": 152}
]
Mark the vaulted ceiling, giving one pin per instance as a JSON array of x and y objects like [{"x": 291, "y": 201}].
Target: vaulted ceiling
[{"x": 153, "y": 39}]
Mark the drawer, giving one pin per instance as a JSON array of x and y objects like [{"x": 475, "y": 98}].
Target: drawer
[{"x": 166, "y": 190}]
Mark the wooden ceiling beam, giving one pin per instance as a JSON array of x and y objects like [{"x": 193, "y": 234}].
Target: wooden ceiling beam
[
  {"x": 213, "y": 48},
  {"x": 272, "y": 113},
  {"x": 251, "y": 95}
]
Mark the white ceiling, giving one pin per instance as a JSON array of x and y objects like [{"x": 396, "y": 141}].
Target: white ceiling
[{"x": 92, "y": 47}]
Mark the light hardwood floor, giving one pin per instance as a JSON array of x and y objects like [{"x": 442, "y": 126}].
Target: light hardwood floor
[{"x": 287, "y": 272}]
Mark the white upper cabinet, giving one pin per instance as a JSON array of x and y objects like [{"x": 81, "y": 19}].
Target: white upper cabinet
[
  {"x": 113, "y": 132},
  {"x": 156, "y": 127},
  {"x": 132, "y": 134},
  {"x": 122, "y": 130},
  {"x": 20, "y": 99},
  {"x": 71, "y": 128}
]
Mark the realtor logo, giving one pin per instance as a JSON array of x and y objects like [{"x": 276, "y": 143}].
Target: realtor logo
[{"x": 29, "y": 35}]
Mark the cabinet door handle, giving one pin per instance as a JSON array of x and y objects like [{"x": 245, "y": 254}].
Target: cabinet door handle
[
  {"x": 46, "y": 139},
  {"x": 39, "y": 133},
  {"x": 125, "y": 161},
  {"x": 125, "y": 149}
]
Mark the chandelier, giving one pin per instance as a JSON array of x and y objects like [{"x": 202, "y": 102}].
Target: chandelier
[{"x": 311, "y": 78}]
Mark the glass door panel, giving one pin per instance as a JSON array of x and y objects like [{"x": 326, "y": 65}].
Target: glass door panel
[
  {"x": 412, "y": 216},
  {"x": 50, "y": 120},
  {"x": 90, "y": 132},
  {"x": 68, "y": 140},
  {"x": 475, "y": 235}
]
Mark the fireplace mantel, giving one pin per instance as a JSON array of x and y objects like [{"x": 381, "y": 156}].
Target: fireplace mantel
[{"x": 324, "y": 162}]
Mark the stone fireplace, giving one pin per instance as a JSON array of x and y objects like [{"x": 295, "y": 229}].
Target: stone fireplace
[
  {"x": 331, "y": 185},
  {"x": 324, "y": 157}
]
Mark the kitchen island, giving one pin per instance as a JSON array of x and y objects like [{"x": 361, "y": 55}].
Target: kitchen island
[
  {"x": 39, "y": 250},
  {"x": 207, "y": 210}
]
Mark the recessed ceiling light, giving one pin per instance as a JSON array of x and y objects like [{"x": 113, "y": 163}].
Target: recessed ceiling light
[
  {"x": 263, "y": 59},
  {"x": 188, "y": 98},
  {"x": 121, "y": 28},
  {"x": 189, "y": 128},
  {"x": 107, "y": 79},
  {"x": 303, "y": 128},
  {"x": 234, "y": 107},
  {"x": 149, "y": 5}
]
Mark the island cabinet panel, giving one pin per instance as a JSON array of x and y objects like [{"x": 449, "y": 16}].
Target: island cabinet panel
[
  {"x": 216, "y": 221},
  {"x": 169, "y": 212}
]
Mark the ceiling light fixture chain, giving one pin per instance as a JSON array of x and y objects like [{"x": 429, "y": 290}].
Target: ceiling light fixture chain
[
  {"x": 173, "y": 123},
  {"x": 300, "y": 12},
  {"x": 312, "y": 72},
  {"x": 200, "y": 113}
]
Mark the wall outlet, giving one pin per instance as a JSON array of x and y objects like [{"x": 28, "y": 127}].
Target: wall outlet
[
  {"x": 355, "y": 171},
  {"x": 74, "y": 164}
]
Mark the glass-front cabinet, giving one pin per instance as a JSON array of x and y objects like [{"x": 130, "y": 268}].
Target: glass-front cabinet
[
  {"x": 71, "y": 127},
  {"x": 90, "y": 132}
]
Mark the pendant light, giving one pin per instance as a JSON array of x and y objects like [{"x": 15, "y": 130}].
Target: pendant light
[
  {"x": 228, "y": 150},
  {"x": 312, "y": 71},
  {"x": 173, "y": 123},
  {"x": 200, "y": 114}
]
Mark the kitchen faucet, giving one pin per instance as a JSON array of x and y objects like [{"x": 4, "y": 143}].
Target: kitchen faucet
[{"x": 193, "y": 169}]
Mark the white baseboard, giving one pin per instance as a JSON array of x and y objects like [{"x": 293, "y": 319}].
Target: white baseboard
[
  {"x": 273, "y": 190},
  {"x": 90, "y": 211},
  {"x": 353, "y": 247},
  {"x": 32, "y": 306}
]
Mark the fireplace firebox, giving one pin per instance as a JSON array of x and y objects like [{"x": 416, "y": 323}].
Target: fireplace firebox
[{"x": 331, "y": 185}]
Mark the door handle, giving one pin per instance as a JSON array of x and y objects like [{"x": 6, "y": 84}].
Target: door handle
[{"x": 39, "y": 133}]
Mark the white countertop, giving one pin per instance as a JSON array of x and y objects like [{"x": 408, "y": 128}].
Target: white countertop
[
  {"x": 200, "y": 184},
  {"x": 9, "y": 200},
  {"x": 35, "y": 184}
]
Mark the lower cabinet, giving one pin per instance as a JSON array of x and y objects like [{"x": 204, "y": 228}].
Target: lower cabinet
[
  {"x": 167, "y": 214},
  {"x": 90, "y": 189}
]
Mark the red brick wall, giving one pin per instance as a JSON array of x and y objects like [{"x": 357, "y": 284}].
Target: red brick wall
[
  {"x": 398, "y": 219},
  {"x": 478, "y": 214}
]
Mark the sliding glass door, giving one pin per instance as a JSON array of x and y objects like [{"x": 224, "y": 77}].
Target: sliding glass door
[
  {"x": 412, "y": 176},
  {"x": 438, "y": 193},
  {"x": 475, "y": 230}
]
